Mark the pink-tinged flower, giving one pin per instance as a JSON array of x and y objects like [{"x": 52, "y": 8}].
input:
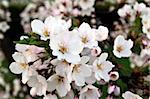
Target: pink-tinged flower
[
  {"x": 114, "y": 89},
  {"x": 30, "y": 52},
  {"x": 89, "y": 92},
  {"x": 114, "y": 75},
  {"x": 95, "y": 51}
]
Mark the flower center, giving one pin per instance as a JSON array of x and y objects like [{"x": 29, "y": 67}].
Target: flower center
[
  {"x": 76, "y": 68},
  {"x": 63, "y": 49},
  {"x": 84, "y": 40},
  {"x": 23, "y": 65},
  {"x": 119, "y": 48},
  {"x": 46, "y": 33},
  {"x": 60, "y": 79},
  {"x": 100, "y": 66}
]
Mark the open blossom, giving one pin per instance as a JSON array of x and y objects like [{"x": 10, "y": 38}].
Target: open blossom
[
  {"x": 60, "y": 83},
  {"x": 101, "y": 33},
  {"x": 66, "y": 46},
  {"x": 85, "y": 4},
  {"x": 63, "y": 68},
  {"x": 20, "y": 65},
  {"x": 89, "y": 92},
  {"x": 38, "y": 84},
  {"x": 127, "y": 11},
  {"x": 130, "y": 95},
  {"x": 122, "y": 47},
  {"x": 41, "y": 28},
  {"x": 102, "y": 67},
  {"x": 87, "y": 36},
  {"x": 59, "y": 25},
  {"x": 139, "y": 8},
  {"x": 81, "y": 71}
]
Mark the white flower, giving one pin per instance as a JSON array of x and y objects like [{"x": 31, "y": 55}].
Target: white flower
[
  {"x": 130, "y": 95},
  {"x": 41, "y": 28},
  {"x": 50, "y": 96},
  {"x": 87, "y": 35},
  {"x": 4, "y": 26},
  {"x": 81, "y": 71},
  {"x": 139, "y": 8},
  {"x": 102, "y": 67},
  {"x": 146, "y": 25},
  {"x": 66, "y": 46},
  {"x": 38, "y": 84},
  {"x": 62, "y": 68},
  {"x": 101, "y": 33},
  {"x": 85, "y": 4},
  {"x": 59, "y": 25},
  {"x": 127, "y": 11},
  {"x": 60, "y": 83},
  {"x": 27, "y": 74},
  {"x": 122, "y": 47},
  {"x": 20, "y": 65},
  {"x": 89, "y": 92}
]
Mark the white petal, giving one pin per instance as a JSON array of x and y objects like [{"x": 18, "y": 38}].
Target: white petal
[
  {"x": 62, "y": 91},
  {"x": 37, "y": 26},
  {"x": 16, "y": 68},
  {"x": 18, "y": 57},
  {"x": 102, "y": 57},
  {"x": 73, "y": 58},
  {"x": 52, "y": 83}
]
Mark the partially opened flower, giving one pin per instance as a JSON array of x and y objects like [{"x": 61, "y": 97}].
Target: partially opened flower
[
  {"x": 66, "y": 46},
  {"x": 130, "y": 95},
  {"x": 81, "y": 71},
  {"x": 60, "y": 83},
  {"x": 38, "y": 84},
  {"x": 20, "y": 65},
  {"x": 122, "y": 47},
  {"x": 89, "y": 92},
  {"x": 102, "y": 67},
  {"x": 87, "y": 36}
]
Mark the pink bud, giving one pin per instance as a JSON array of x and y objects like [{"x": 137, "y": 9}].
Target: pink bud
[
  {"x": 114, "y": 75},
  {"x": 95, "y": 51}
]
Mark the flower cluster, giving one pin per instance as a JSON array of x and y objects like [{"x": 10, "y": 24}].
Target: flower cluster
[
  {"x": 76, "y": 62},
  {"x": 4, "y": 18},
  {"x": 137, "y": 10},
  {"x": 58, "y": 8}
]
